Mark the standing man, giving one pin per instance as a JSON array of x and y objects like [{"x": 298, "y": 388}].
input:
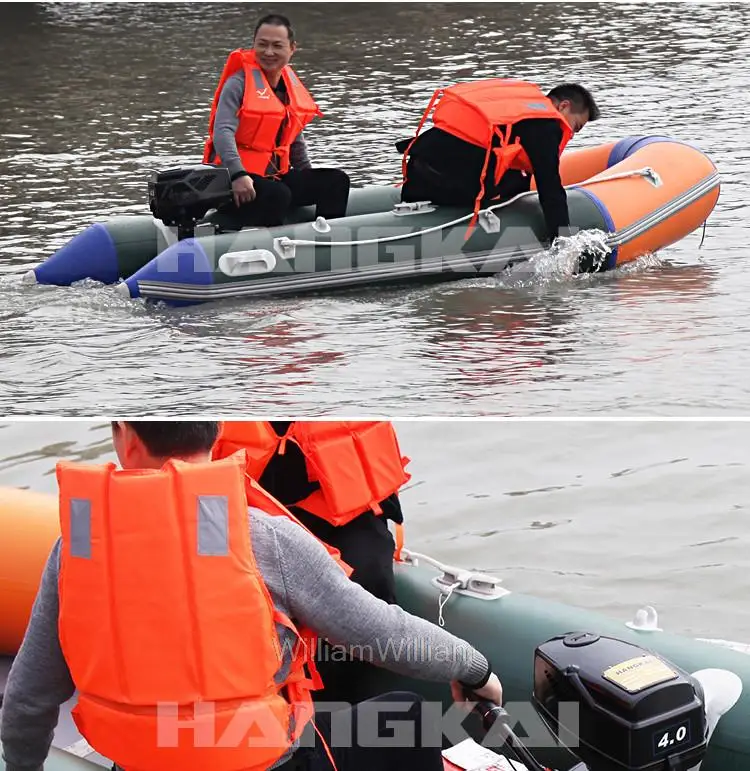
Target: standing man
[{"x": 258, "y": 113}]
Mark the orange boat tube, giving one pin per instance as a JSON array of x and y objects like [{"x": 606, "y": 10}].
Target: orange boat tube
[
  {"x": 651, "y": 190},
  {"x": 30, "y": 525}
]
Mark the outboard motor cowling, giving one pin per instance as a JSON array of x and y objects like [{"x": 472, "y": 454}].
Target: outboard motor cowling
[
  {"x": 181, "y": 197},
  {"x": 631, "y": 709}
]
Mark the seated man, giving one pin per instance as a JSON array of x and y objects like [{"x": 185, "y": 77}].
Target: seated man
[
  {"x": 175, "y": 603},
  {"x": 453, "y": 164},
  {"x": 255, "y": 130}
]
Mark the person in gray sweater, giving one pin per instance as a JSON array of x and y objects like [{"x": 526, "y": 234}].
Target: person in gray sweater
[
  {"x": 334, "y": 607},
  {"x": 264, "y": 200}
]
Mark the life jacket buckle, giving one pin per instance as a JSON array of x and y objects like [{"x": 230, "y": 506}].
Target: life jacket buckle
[{"x": 489, "y": 221}]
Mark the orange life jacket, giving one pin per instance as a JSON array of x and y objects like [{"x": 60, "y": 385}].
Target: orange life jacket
[
  {"x": 358, "y": 464},
  {"x": 166, "y": 623},
  {"x": 263, "y": 115},
  {"x": 481, "y": 110}
]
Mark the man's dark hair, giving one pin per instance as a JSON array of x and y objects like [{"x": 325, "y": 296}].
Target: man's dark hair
[
  {"x": 578, "y": 96},
  {"x": 175, "y": 438},
  {"x": 277, "y": 20}
]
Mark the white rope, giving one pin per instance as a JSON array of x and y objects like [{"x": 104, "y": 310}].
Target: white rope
[
  {"x": 285, "y": 242},
  {"x": 443, "y": 599}
]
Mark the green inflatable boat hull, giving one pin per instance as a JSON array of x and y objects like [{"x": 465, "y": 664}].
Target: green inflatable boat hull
[
  {"x": 379, "y": 242},
  {"x": 383, "y": 248},
  {"x": 508, "y": 627},
  {"x": 114, "y": 249}
]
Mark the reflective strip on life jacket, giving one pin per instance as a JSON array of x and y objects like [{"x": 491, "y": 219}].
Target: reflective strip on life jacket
[{"x": 258, "y": 79}]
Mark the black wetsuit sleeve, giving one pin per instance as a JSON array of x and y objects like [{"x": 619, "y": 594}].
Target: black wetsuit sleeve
[{"x": 541, "y": 139}]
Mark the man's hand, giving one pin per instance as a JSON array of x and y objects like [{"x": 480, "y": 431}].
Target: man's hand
[
  {"x": 243, "y": 190},
  {"x": 491, "y": 691}
]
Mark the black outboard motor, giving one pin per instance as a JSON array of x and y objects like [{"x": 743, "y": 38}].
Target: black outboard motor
[
  {"x": 614, "y": 705},
  {"x": 636, "y": 712},
  {"x": 181, "y": 197}
]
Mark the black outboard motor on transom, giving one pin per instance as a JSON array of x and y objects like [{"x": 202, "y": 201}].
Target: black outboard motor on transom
[
  {"x": 181, "y": 197},
  {"x": 635, "y": 710},
  {"x": 615, "y": 706}
]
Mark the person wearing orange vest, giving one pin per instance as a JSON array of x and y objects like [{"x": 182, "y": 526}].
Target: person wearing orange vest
[
  {"x": 180, "y": 603},
  {"x": 487, "y": 140},
  {"x": 258, "y": 114},
  {"x": 341, "y": 480}
]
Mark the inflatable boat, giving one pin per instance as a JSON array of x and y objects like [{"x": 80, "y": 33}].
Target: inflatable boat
[
  {"x": 643, "y": 193},
  {"x": 655, "y": 700}
]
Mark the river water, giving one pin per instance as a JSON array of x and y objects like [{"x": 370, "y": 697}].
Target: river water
[
  {"x": 95, "y": 95},
  {"x": 609, "y": 516}
]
